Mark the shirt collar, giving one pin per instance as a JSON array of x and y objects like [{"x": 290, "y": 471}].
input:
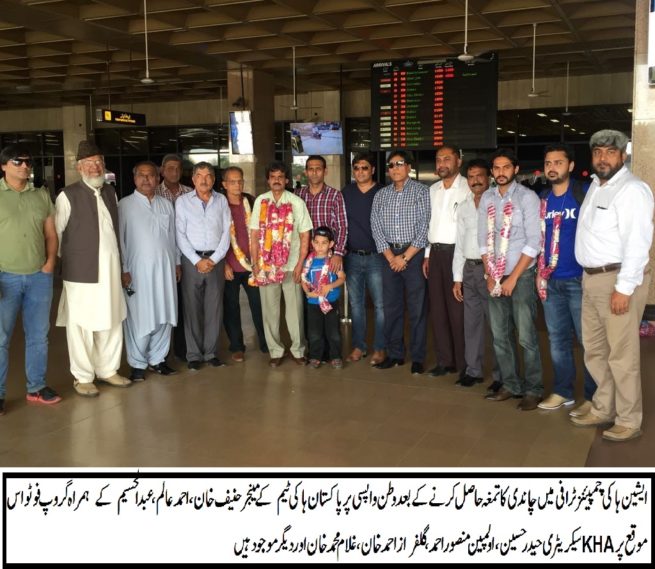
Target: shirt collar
[
  {"x": 29, "y": 187},
  {"x": 510, "y": 191},
  {"x": 613, "y": 180}
]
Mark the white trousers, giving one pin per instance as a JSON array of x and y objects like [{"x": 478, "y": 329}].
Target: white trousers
[
  {"x": 147, "y": 350},
  {"x": 94, "y": 354}
]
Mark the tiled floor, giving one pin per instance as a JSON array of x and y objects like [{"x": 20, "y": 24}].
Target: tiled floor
[{"x": 247, "y": 415}]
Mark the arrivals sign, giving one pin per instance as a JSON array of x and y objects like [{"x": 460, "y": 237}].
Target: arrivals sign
[{"x": 120, "y": 117}]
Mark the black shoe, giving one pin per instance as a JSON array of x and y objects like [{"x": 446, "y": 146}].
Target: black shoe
[
  {"x": 389, "y": 362},
  {"x": 163, "y": 369},
  {"x": 194, "y": 365},
  {"x": 215, "y": 362},
  {"x": 469, "y": 380},
  {"x": 417, "y": 368},
  {"x": 495, "y": 387},
  {"x": 441, "y": 370},
  {"x": 137, "y": 374}
]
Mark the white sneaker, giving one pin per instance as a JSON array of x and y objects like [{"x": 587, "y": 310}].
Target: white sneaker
[
  {"x": 581, "y": 409},
  {"x": 555, "y": 401}
]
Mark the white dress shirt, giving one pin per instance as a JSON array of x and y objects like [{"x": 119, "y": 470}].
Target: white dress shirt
[
  {"x": 616, "y": 226},
  {"x": 444, "y": 204},
  {"x": 466, "y": 242}
]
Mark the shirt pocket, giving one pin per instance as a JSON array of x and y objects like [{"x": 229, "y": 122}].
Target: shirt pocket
[
  {"x": 603, "y": 221},
  {"x": 163, "y": 223}
]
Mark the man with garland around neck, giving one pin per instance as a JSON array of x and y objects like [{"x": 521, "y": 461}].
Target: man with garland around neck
[
  {"x": 509, "y": 237},
  {"x": 279, "y": 242},
  {"x": 615, "y": 232},
  {"x": 238, "y": 268},
  {"x": 559, "y": 277}
]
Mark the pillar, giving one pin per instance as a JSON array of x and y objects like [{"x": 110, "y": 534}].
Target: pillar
[{"x": 74, "y": 120}]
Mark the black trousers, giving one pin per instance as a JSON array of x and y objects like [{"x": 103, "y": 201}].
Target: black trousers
[
  {"x": 397, "y": 288},
  {"x": 323, "y": 329},
  {"x": 232, "y": 312}
]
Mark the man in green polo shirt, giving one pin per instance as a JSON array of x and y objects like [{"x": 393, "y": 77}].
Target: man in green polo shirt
[{"x": 27, "y": 262}]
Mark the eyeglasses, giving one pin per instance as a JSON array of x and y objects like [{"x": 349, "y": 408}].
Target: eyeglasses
[
  {"x": 362, "y": 168},
  {"x": 19, "y": 161},
  {"x": 396, "y": 164}
]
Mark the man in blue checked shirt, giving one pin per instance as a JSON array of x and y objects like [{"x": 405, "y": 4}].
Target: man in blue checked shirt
[{"x": 399, "y": 221}]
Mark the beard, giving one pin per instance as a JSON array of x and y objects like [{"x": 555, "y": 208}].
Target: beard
[
  {"x": 94, "y": 181},
  {"x": 510, "y": 179},
  {"x": 609, "y": 173},
  {"x": 557, "y": 179}
]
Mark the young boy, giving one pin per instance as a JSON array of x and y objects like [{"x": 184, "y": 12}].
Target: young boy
[{"x": 322, "y": 288}]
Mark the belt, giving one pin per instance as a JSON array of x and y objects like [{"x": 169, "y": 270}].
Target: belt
[
  {"x": 606, "y": 269},
  {"x": 443, "y": 246},
  {"x": 205, "y": 253},
  {"x": 361, "y": 252},
  {"x": 398, "y": 245},
  {"x": 473, "y": 261}
]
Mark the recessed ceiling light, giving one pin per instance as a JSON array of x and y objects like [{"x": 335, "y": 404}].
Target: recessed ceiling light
[
  {"x": 629, "y": 110},
  {"x": 542, "y": 115},
  {"x": 523, "y": 134},
  {"x": 572, "y": 129},
  {"x": 582, "y": 132},
  {"x": 566, "y": 126},
  {"x": 498, "y": 128},
  {"x": 511, "y": 132},
  {"x": 554, "y": 120}
]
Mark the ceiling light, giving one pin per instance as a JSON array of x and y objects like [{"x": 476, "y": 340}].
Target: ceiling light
[
  {"x": 582, "y": 132},
  {"x": 554, "y": 120},
  {"x": 511, "y": 132},
  {"x": 572, "y": 129},
  {"x": 566, "y": 126},
  {"x": 542, "y": 115},
  {"x": 523, "y": 134},
  {"x": 630, "y": 110},
  {"x": 498, "y": 128}
]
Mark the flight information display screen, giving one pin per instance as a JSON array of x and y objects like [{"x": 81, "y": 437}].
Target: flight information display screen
[{"x": 420, "y": 104}]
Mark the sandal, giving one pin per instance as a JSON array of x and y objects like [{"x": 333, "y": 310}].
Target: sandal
[
  {"x": 356, "y": 355},
  {"x": 378, "y": 357}
]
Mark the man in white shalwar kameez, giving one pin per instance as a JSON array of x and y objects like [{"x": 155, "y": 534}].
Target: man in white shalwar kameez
[
  {"x": 151, "y": 266},
  {"x": 92, "y": 306}
]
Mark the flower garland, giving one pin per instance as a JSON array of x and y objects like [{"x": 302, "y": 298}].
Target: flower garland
[
  {"x": 544, "y": 271},
  {"x": 496, "y": 265},
  {"x": 238, "y": 253},
  {"x": 323, "y": 279},
  {"x": 275, "y": 229}
]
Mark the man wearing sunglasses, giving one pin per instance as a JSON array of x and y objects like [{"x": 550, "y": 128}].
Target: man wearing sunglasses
[
  {"x": 363, "y": 262},
  {"x": 399, "y": 220},
  {"x": 92, "y": 305},
  {"x": 27, "y": 261}
]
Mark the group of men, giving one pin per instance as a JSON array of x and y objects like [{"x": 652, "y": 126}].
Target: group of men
[{"x": 170, "y": 260}]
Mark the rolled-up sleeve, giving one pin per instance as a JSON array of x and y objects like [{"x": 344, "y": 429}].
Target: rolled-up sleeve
[
  {"x": 531, "y": 223},
  {"x": 635, "y": 220}
]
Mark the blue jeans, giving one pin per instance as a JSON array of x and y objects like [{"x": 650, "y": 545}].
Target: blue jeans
[
  {"x": 518, "y": 311},
  {"x": 365, "y": 272},
  {"x": 32, "y": 293},
  {"x": 563, "y": 312}
]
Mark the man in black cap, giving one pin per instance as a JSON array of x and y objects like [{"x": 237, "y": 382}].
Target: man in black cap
[{"x": 92, "y": 306}]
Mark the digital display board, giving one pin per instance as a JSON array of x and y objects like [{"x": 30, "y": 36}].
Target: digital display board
[{"x": 421, "y": 104}]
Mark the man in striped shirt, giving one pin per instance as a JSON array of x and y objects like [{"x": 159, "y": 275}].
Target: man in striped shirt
[{"x": 399, "y": 220}]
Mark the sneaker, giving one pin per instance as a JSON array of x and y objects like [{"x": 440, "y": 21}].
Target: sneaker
[
  {"x": 555, "y": 401},
  {"x": 194, "y": 365},
  {"x": 619, "y": 434},
  {"x": 162, "y": 369},
  {"x": 86, "y": 389},
  {"x": 469, "y": 380},
  {"x": 581, "y": 409},
  {"x": 45, "y": 396},
  {"x": 116, "y": 380},
  {"x": 337, "y": 363},
  {"x": 215, "y": 362},
  {"x": 315, "y": 363}
]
